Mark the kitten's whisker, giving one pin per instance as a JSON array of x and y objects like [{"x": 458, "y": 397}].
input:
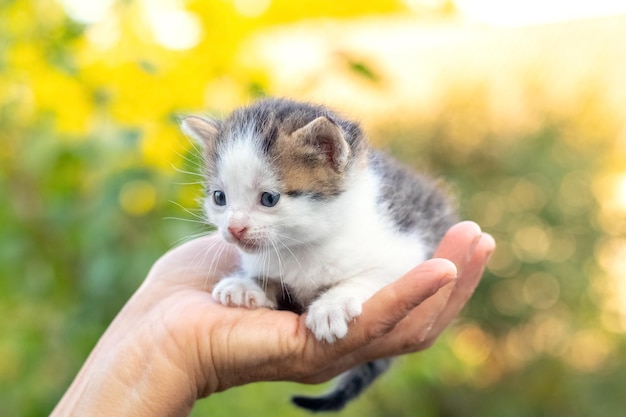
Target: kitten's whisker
[
  {"x": 185, "y": 220},
  {"x": 278, "y": 257},
  {"x": 189, "y": 183},
  {"x": 198, "y": 270},
  {"x": 196, "y": 150},
  {"x": 199, "y": 259},
  {"x": 189, "y": 211},
  {"x": 295, "y": 258},
  {"x": 264, "y": 270},
  {"x": 300, "y": 242},
  {"x": 182, "y": 171},
  {"x": 218, "y": 248},
  {"x": 283, "y": 287},
  {"x": 280, "y": 265},
  {"x": 213, "y": 268},
  {"x": 191, "y": 237}
]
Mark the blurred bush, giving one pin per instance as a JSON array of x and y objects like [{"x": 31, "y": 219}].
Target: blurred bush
[{"x": 96, "y": 183}]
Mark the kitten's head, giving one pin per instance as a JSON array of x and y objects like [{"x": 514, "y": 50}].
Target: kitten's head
[{"x": 273, "y": 171}]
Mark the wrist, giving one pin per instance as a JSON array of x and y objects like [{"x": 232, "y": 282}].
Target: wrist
[{"x": 140, "y": 366}]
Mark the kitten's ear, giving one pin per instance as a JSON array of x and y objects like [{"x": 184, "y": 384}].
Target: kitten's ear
[
  {"x": 203, "y": 131},
  {"x": 326, "y": 137}
]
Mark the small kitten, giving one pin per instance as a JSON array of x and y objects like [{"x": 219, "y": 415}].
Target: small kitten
[{"x": 321, "y": 220}]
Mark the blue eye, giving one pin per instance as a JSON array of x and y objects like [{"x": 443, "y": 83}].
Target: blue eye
[
  {"x": 219, "y": 198},
  {"x": 270, "y": 199}
]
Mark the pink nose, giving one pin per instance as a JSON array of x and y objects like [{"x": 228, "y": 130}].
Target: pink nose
[{"x": 237, "y": 231}]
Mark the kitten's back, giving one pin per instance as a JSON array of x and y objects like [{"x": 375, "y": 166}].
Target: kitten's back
[{"x": 415, "y": 204}]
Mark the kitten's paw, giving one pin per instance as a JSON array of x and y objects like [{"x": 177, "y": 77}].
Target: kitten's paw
[
  {"x": 328, "y": 317},
  {"x": 241, "y": 292}
]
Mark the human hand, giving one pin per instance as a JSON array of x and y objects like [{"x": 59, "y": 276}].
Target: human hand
[{"x": 172, "y": 343}]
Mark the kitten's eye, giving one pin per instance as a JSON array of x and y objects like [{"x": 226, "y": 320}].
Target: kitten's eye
[
  {"x": 219, "y": 198},
  {"x": 269, "y": 199}
]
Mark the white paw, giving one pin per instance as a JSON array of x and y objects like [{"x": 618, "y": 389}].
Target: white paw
[
  {"x": 241, "y": 292},
  {"x": 329, "y": 316}
]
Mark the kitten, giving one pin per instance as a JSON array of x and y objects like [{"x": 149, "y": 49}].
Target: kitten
[{"x": 321, "y": 220}]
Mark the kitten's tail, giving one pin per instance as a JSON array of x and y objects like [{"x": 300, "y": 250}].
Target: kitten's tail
[{"x": 350, "y": 385}]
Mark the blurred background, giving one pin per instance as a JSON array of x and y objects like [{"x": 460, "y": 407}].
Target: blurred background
[{"x": 519, "y": 105}]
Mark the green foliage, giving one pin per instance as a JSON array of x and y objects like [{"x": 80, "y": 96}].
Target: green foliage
[{"x": 70, "y": 256}]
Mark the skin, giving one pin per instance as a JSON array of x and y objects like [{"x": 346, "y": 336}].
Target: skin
[{"x": 172, "y": 344}]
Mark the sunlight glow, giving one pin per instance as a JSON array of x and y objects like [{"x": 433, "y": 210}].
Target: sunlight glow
[
  {"x": 511, "y": 13},
  {"x": 86, "y": 11},
  {"x": 171, "y": 25},
  {"x": 610, "y": 191},
  {"x": 252, "y": 8},
  {"x": 620, "y": 191},
  {"x": 419, "y": 5},
  {"x": 589, "y": 349},
  {"x": 175, "y": 29},
  {"x": 104, "y": 33},
  {"x": 472, "y": 345}
]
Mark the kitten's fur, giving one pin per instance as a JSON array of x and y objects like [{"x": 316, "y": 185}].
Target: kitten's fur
[{"x": 319, "y": 217}]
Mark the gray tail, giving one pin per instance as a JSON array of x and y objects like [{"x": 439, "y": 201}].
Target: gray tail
[{"x": 350, "y": 385}]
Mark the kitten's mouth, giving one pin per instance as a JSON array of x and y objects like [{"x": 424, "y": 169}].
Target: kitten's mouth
[
  {"x": 249, "y": 246},
  {"x": 246, "y": 244}
]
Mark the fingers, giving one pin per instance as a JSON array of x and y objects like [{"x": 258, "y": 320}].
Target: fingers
[
  {"x": 410, "y": 313},
  {"x": 415, "y": 327},
  {"x": 459, "y": 243},
  {"x": 468, "y": 280},
  {"x": 393, "y": 303},
  {"x": 380, "y": 315}
]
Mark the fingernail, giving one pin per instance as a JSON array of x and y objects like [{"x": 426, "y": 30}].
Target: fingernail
[
  {"x": 474, "y": 244},
  {"x": 449, "y": 276},
  {"x": 490, "y": 252}
]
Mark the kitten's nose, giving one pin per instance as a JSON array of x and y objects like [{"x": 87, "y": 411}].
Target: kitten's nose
[{"x": 237, "y": 231}]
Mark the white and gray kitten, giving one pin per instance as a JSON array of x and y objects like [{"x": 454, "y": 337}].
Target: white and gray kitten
[{"x": 320, "y": 219}]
